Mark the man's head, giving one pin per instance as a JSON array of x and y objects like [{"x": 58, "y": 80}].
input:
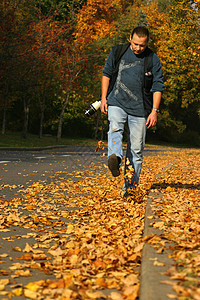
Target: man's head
[{"x": 139, "y": 39}]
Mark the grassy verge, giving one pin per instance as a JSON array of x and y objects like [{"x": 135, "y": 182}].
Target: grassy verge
[{"x": 16, "y": 140}]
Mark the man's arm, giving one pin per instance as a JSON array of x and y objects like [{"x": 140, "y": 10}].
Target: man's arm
[
  {"x": 152, "y": 118},
  {"x": 104, "y": 89}
]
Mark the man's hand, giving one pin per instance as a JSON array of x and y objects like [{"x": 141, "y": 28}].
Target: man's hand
[
  {"x": 104, "y": 90},
  {"x": 152, "y": 119},
  {"x": 104, "y": 106}
]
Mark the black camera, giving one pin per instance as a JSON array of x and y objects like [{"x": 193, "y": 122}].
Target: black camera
[{"x": 92, "y": 108}]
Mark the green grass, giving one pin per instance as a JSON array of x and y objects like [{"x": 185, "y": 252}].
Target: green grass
[{"x": 16, "y": 140}]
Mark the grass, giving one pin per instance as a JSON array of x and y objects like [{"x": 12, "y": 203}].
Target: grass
[{"x": 16, "y": 140}]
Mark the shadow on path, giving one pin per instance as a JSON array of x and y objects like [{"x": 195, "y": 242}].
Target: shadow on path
[{"x": 180, "y": 185}]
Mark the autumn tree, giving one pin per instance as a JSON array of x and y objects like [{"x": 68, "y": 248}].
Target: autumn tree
[
  {"x": 100, "y": 26},
  {"x": 15, "y": 18},
  {"x": 58, "y": 58},
  {"x": 175, "y": 37},
  {"x": 94, "y": 24},
  {"x": 7, "y": 19}
]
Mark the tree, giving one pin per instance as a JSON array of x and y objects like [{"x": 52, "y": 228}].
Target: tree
[
  {"x": 70, "y": 64},
  {"x": 6, "y": 18},
  {"x": 15, "y": 43},
  {"x": 175, "y": 37},
  {"x": 65, "y": 10}
]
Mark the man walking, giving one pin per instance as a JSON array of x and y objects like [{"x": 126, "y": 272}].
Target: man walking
[{"x": 135, "y": 97}]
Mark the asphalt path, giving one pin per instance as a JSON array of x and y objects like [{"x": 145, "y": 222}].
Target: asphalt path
[
  {"x": 25, "y": 167},
  {"x": 19, "y": 169}
]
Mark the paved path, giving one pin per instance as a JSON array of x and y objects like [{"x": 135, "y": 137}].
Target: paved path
[
  {"x": 154, "y": 264},
  {"x": 14, "y": 166}
]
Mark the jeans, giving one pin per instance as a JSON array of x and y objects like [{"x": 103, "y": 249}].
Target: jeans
[{"x": 135, "y": 142}]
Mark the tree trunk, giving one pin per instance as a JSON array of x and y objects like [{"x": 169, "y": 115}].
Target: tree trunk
[
  {"x": 4, "y": 116},
  {"x": 26, "y": 117},
  {"x": 41, "y": 123},
  {"x": 42, "y": 109},
  {"x": 5, "y": 110},
  {"x": 59, "y": 132}
]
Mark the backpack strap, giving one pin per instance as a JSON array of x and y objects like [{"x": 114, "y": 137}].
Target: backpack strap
[
  {"x": 148, "y": 65},
  {"x": 118, "y": 50},
  {"x": 148, "y": 81},
  {"x": 148, "y": 61}
]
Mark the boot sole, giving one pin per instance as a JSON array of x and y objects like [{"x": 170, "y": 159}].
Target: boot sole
[{"x": 113, "y": 165}]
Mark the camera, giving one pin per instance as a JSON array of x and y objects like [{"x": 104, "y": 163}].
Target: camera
[{"x": 92, "y": 108}]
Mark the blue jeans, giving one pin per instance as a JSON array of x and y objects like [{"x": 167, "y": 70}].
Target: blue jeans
[{"x": 135, "y": 142}]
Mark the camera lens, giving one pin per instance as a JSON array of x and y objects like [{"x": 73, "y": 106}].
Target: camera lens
[
  {"x": 93, "y": 108},
  {"x": 90, "y": 111}
]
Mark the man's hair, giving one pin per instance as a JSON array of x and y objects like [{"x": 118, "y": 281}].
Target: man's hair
[{"x": 140, "y": 31}]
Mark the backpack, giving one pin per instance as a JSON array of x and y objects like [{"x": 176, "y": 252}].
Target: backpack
[{"x": 119, "y": 50}]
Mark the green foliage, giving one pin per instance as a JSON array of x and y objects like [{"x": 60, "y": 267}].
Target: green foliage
[{"x": 65, "y": 10}]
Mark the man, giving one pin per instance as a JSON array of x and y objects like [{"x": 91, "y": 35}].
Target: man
[{"x": 126, "y": 102}]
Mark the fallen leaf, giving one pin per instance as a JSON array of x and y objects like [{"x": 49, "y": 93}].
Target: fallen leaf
[
  {"x": 18, "y": 292},
  {"x": 116, "y": 296},
  {"x": 18, "y": 249},
  {"x": 95, "y": 295},
  {"x": 30, "y": 294}
]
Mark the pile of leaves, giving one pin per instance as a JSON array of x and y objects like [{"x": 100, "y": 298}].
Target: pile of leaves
[
  {"x": 87, "y": 239},
  {"x": 179, "y": 216}
]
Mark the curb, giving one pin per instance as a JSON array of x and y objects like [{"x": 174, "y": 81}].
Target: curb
[
  {"x": 154, "y": 265},
  {"x": 31, "y": 148}
]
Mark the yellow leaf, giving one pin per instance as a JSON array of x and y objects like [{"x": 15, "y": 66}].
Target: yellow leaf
[
  {"x": 4, "y": 281},
  {"x": 132, "y": 292},
  {"x": 70, "y": 228},
  {"x": 130, "y": 280},
  {"x": 116, "y": 296},
  {"x": 27, "y": 248},
  {"x": 74, "y": 259},
  {"x": 158, "y": 225},
  {"x": 2, "y": 287},
  {"x": 169, "y": 189},
  {"x": 32, "y": 286},
  {"x": 66, "y": 294},
  {"x": 30, "y": 294},
  {"x": 139, "y": 247},
  {"x": 95, "y": 295},
  {"x": 18, "y": 291},
  {"x": 18, "y": 249},
  {"x": 158, "y": 264},
  {"x": 171, "y": 296},
  {"x": 25, "y": 273},
  {"x": 101, "y": 282}
]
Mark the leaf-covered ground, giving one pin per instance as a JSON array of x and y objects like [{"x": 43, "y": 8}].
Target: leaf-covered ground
[{"x": 78, "y": 238}]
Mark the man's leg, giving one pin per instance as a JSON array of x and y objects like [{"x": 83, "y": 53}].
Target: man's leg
[
  {"x": 117, "y": 118},
  {"x": 134, "y": 154}
]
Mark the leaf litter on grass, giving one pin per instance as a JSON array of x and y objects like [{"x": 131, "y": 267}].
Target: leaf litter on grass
[{"x": 88, "y": 240}]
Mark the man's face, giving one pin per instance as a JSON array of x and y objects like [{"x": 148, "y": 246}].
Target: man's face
[{"x": 138, "y": 43}]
